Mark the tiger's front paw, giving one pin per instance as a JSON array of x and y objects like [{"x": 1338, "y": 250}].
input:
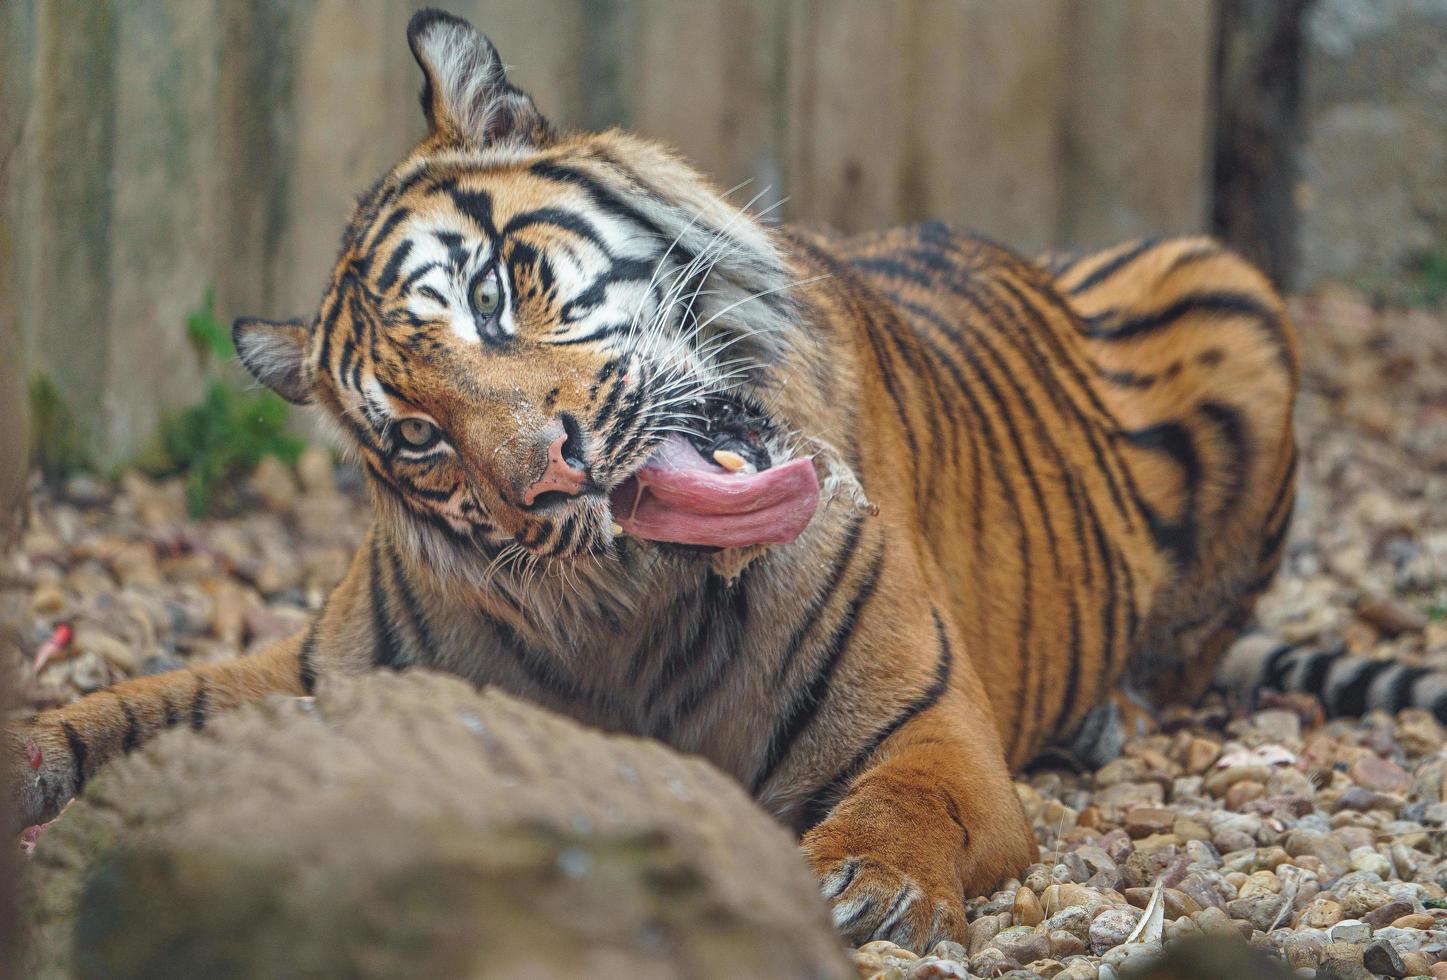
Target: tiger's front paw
[
  {"x": 875, "y": 900},
  {"x": 891, "y": 869},
  {"x": 35, "y": 774}
]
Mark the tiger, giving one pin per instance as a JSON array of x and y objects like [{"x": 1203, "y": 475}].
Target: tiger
[{"x": 866, "y": 521}]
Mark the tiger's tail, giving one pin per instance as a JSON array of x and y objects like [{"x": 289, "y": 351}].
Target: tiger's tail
[
  {"x": 1347, "y": 686},
  {"x": 51, "y": 756}
]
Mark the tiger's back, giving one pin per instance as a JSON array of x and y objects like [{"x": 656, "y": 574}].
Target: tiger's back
[{"x": 1103, "y": 457}]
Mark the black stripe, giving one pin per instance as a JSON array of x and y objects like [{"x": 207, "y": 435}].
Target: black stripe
[
  {"x": 306, "y": 667},
  {"x": 78, "y": 752},
  {"x": 840, "y": 564},
  {"x": 1179, "y": 537},
  {"x": 386, "y": 650},
  {"x": 821, "y": 801},
  {"x": 1401, "y": 691},
  {"x": 1350, "y": 699},
  {"x": 542, "y": 670},
  {"x": 1313, "y": 675},
  {"x": 199, "y": 705},
  {"x": 386, "y": 228},
  {"x": 132, "y": 736},
  {"x": 1231, "y": 304},
  {"x": 569, "y": 221},
  {"x": 1115, "y": 265},
  {"x": 1277, "y": 666},
  {"x": 416, "y": 615},
  {"x": 172, "y": 716},
  {"x": 805, "y": 705},
  {"x": 394, "y": 265},
  {"x": 1231, "y": 428},
  {"x": 603, "y": 197}
]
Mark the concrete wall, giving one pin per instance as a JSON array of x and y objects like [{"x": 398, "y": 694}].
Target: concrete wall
[{"x": 171, "y": 145}]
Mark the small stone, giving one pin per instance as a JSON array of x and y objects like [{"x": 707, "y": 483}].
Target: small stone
[
  {"x": 1321, "y": 913},
  {"x": 1350, "y": 931},
  {"x": 1380, "y": 775},
  {"x": 934, "y": 968},
  {"x": 1022, "y": 944},
  {"x": 1362, "y": 897},
  {"x": 1417, "y": 964},
  {"x": 1302, "y": 950},
  {"x": 1382, "y": 958},
  {"x": 1342, "y": 961},
  {"x": 1145, "y": 821},
  {"x": 1111, "y": 927},
  {"x": 273, "y": 482},
  {"x": 883, "y": 947},
  {"x": 1392, "y": 618},
  {"x": 1321, "y": 846},
  {"x": 947, "y": 950},
  {"x": 1027, "y": 908},
  {"x": 1201, "y": 754},
  {"x": 1414, "y": 920},
  {"x": 1243, "y": 792},
  {"x": 1387, "y": 914},
  {"x": 1063, "y": 944},
  {"x": 316, "y": 472},
  {"x": 980, "y": 932},
  {"x": 1439, "y": 971},
  {"x": 990, "y": 962}
]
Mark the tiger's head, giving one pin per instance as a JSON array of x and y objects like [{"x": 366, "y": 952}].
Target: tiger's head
[{"x": 536, "y": 342}]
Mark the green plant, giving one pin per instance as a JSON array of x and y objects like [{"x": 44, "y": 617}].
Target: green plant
[
  {"x": 223, "y": 437},
  {"x": 55, "y": 438}
]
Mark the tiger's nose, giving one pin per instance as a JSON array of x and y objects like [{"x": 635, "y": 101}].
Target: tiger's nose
[{"x": 566, "y": 473}]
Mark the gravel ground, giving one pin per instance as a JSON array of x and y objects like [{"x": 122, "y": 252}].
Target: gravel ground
[{"x": 1323, "y": 842}]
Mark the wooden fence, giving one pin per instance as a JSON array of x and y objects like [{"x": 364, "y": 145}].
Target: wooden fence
[{"x": 152, "y": 149}]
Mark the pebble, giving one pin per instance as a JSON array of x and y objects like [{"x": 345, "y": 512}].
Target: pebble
[
  {"x": 1381, "y": 775},
  {"x": 1380, "y": 957},
  {"x": 1111, "y": 927}
]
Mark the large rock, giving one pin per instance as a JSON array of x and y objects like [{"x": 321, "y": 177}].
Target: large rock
[{"x": 404, "y": 825}]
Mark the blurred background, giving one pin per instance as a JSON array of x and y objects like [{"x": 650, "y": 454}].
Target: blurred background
[{"x": 161, "y": 158}]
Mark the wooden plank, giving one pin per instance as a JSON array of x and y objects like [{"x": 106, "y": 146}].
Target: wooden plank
[
  {"x": 164, "y": 220},
  {"x": 1138, "y": 127},
  {"x": 985, "y": 92},
  {"x": 65, "y": 201},
  {"x": 17, "y": 45},
  {"x": 845, "y": 132},
  {"x": 353, "y": 114},
  {"x": 704, "y": 79}
]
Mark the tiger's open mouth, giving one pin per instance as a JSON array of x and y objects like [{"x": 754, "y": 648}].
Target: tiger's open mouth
[{"x": 719, "y": 488}]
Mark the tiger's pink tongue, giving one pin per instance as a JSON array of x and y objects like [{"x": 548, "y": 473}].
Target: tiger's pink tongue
[{"x": 679, "y": 496}]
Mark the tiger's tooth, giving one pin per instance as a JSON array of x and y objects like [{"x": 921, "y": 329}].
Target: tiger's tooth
[
  {"x": 729, "y": 460},
  {"x": 616, "y": 528}
]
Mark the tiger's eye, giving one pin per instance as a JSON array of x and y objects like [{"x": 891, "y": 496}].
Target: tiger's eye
[
  {"x": 487, "y": 295},
  {"x": 416, "y": 433}
]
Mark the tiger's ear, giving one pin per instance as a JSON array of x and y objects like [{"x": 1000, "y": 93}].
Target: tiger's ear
[
  {"x": 465, "y": 92},
  {"x": 276, "y": 355}
]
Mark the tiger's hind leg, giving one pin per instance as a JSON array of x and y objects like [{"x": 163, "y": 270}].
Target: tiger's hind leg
[{"x": 49, "y": 759}]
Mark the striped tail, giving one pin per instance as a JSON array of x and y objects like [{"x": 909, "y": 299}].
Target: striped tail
[{"x": 1347, "y": 686}]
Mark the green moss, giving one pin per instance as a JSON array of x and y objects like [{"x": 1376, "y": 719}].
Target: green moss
[
  {"x": 219, "y": 440},
  {"x": 55, "y": 438}
]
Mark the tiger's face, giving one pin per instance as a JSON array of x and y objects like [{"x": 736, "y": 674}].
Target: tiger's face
[{"x": 537, "y": 343}]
